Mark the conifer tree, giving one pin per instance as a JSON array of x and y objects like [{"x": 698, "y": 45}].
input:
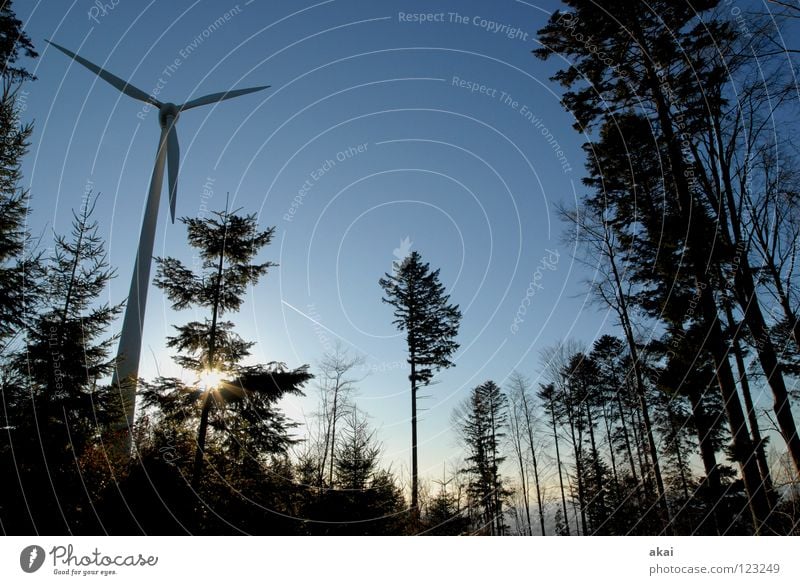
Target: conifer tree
[
  {"x": 59, "y": 404},
  {"x": 244, "y": 397},
  {"x": 364, "y": 499},
  {"x": 17, "y": 264},
  {"x": 356, "y": 454},
  {"x": 68, "y": 349},
  {"x": 481, "y": 422},
  {"x": 444, "y": 515},
  {"x": 13, "y": 40},
  {"x": 423, "y": 311}
]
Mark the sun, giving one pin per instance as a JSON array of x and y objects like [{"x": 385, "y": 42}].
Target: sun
[{"x": 210, "y": 380}]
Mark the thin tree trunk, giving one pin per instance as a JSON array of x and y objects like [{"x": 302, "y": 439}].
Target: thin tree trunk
[
  {"x": 601, "y": 504},
  {"x": 558, "y": 463},
  {"x": 529, "y": 428},
  {"x": 754, "y": 319},
  {"x": 74, "y": 269},
  {"x": 682, "y": 473},
  {"x": 538, "y": 494},
  {"x": 607, "y": 424},
  {"x": 414, "y": 485},
  {"x": 498, "y": 508},
  {"x": 707, "y": 454},
  {"x": 578, "y": 451},
  {"x": 575, "y": 508},
  {"x": 752, "y": 417},
  {"x": 333, "y": 429},
  {"x": 321, "y": 473},
  {"x": 201, "y": 442},
  {"x": 212, "y": 348},
  {"x": 676, "y": 427},
  {"x": 47, "y": 395},
  {"x": 517, "y": 442},
  {"x": 622, "y": 312},
  {"x": 529, "y": 529},
  {"x": 684, "y": 482},
  {"x": 644, "y": 468},
  {"x": 626, "y": 436}
]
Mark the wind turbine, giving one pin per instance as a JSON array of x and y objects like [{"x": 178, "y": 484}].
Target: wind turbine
[{"x": 168, "y": 153}]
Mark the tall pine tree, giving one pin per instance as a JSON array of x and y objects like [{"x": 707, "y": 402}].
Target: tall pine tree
[
  {"x": 423, "y": 311},
  {"x": 244, "y": 397}
]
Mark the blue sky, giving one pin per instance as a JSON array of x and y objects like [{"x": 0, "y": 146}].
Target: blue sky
[{"x": 375, "y": 131}]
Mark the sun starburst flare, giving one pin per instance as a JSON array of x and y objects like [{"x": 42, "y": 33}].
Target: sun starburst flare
[{"x": 210, "y": 380}]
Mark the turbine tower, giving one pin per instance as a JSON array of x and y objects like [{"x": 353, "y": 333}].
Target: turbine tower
[{"x": 168, "y": 153}]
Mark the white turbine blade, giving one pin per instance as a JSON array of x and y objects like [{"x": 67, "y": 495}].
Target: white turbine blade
[
  {"x": 121, "y": 85},
  {"x": 218, "y": 97},
  {"x": 173, "y": 156}
]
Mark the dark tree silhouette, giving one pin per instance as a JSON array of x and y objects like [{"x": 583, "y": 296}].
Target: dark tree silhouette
[
  {"x": 67, "y": 355},
  {"x": 602, "y": 249},
  {"x": 336, "y": 385},
  {"x": 13, "y": 40},
  {"x": 523, "y": 429},
  {"x": 17, "y": 264},
  {"x": 547, "y": 395},
  {"x": 244, "y": 397},
  {"x": 677, "y": 93},
  {"x": 481, "y": 422},
  {"x": 585, "y": 396},
  {"x": 423, "y": 312},
  {"x": 364, "y": 498},
  {"x": 59, "y": 404},
  {"x": 516, "y": 425},
  {"x": 445, "y": 516}
]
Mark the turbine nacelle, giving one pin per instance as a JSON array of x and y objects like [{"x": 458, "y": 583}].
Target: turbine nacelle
[{"x": 167, "y": 111}]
